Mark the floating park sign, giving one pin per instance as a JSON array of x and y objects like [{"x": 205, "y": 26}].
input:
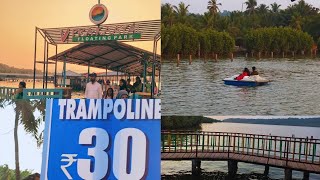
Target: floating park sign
[
  {"x": 107, "y": 37},
  {"x": 102, "y": 139},
  {"x": 125, "y": 31}
]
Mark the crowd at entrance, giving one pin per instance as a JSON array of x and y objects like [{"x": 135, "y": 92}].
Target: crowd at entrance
[{"x": 100, "y": 89}]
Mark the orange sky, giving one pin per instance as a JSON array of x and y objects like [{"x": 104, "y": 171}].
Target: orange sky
[{"x": 19, "y": 18}]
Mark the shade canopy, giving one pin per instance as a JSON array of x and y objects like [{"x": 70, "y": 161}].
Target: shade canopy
[{"x": 111, "y": 55}]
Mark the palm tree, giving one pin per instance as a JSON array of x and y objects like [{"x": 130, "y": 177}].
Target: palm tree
[
  {"x": 24, "y": 114},
  {"x": 263, "y": 9},
  {"x": 182, "y": 12},
  {"x": 251, "y": 6},
  {"x": 167, "y": 13},
  {"x": 207, "y": 20},
  {"x": 275, "y": 8},
  {"x": 213, "y": 7},
  {"x": 296, "y": 21}
]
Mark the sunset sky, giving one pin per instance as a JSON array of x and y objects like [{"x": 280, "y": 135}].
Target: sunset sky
[{"x": 19, "y": 19}]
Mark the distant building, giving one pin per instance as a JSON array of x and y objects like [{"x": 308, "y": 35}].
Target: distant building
[{"x": 73, "y": 80}]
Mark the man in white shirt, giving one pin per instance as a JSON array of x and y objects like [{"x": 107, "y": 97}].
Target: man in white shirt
[{"x": 93, "y": 88}]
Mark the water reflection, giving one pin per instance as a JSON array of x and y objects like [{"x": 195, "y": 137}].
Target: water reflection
[{"x": 198, "y": 89}]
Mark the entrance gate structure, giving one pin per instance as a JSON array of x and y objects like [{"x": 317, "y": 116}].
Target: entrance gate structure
[{"x": 102, "y": 46}]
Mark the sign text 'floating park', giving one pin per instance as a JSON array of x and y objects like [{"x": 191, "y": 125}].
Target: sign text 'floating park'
[
  {"x": 102, "y": 139},
  {"x": 127, "y": 31}
]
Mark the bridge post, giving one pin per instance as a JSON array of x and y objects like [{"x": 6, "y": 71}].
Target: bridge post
[
  {"x": 306, "y": 175},
  {"x": 266, "y": 170},
  {"x": 196, "y": 167},
  {"x": 232, "y": 168},
  {"x": 287, "y": 174}
]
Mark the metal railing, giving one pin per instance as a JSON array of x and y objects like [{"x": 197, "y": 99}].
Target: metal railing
[{"x": 306, "y": 150}]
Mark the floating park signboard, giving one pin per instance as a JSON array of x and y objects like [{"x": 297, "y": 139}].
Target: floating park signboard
[
  {"x": 106, "y": 37},
  {"x": 124, "y": 31},
  {"x": 102, "y": 139}
]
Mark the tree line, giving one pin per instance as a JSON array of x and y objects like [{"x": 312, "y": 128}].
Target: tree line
[
  {"x": 9, "y": 69},
  {"x": 278, "y": 40},
  {"x": 183, "y": 32},
  {"x": 185, "y": 40}
]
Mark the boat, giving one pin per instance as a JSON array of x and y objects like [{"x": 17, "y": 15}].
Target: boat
[{"x": 250, "y": 81}]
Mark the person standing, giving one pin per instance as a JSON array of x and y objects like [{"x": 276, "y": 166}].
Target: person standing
[
  {"x": 109, "y": 94},
  {"x": 123, "y": 84},
  {"x": 19, "y": 92},
  {"x": 93, "y": 88},
  {"x": 137, "y": 86},
  {"x": 129, "y": 86}
]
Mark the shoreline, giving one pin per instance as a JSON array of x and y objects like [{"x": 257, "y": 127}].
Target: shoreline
[
  {"x": 218, "y": 175},
  {"x": 196, "y": 58}
]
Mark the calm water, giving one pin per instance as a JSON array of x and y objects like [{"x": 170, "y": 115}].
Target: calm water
[
  {"x": 184, "y": 167},
  {"x": 198, "y": 89}
]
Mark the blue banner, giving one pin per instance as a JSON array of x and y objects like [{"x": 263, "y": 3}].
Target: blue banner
[{"x": 102, "y": 139}]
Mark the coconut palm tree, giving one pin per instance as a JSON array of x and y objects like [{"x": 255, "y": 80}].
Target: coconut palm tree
[
  {"x": 207, "y": 20},
  {"x": 213, "y": 7},
  {"x": 263, "y": 9},
  {"x": 182, "y": 12},
  {"x": 275, "y": 8},
  {"x": 296, "y": 21},
  {"x": 168, "y": 14},
  {"x": 24, "y": 114},
  {"x": 251, "y": 6}
]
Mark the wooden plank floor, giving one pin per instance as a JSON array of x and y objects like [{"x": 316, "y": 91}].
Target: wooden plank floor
[{"x": 300, "y": 166}]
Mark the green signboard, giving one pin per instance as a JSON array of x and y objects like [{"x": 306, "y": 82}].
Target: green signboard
[{"x": 113, "y": 37}]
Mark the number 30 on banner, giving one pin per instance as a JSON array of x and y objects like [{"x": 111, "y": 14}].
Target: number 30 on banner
[{"x": 121, "y": 156}]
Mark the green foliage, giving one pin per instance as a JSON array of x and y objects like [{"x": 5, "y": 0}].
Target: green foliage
[
  {"x": 9, "y": 174},
  {"x": 277, "y": 39},
  {"x": 179, "y": 38},
  {"x": 291, "y": 21},
  {"x": 228, "y": 43},
  {"x": 184, "y": 122},
  {"x": 183, "y": 39}
]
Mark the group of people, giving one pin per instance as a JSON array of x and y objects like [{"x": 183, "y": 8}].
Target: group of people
[
  {"x": 246, "y": 72},
  {"x": 94, "y": 89}
]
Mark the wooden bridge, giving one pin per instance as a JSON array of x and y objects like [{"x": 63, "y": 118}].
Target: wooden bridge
[{"x": 289, "y": 153}]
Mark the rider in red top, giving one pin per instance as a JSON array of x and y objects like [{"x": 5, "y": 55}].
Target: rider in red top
[{"x": 245, "y": 72}]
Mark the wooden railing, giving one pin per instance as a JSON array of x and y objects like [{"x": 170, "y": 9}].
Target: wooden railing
[
  {"x": 6, "y": 92},
  {"x": 294, "y": 149}
]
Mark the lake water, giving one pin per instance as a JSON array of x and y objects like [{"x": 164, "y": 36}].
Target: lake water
[
  {"x": 183, "y": 168},
  {"x": 198, "y": 89}
]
